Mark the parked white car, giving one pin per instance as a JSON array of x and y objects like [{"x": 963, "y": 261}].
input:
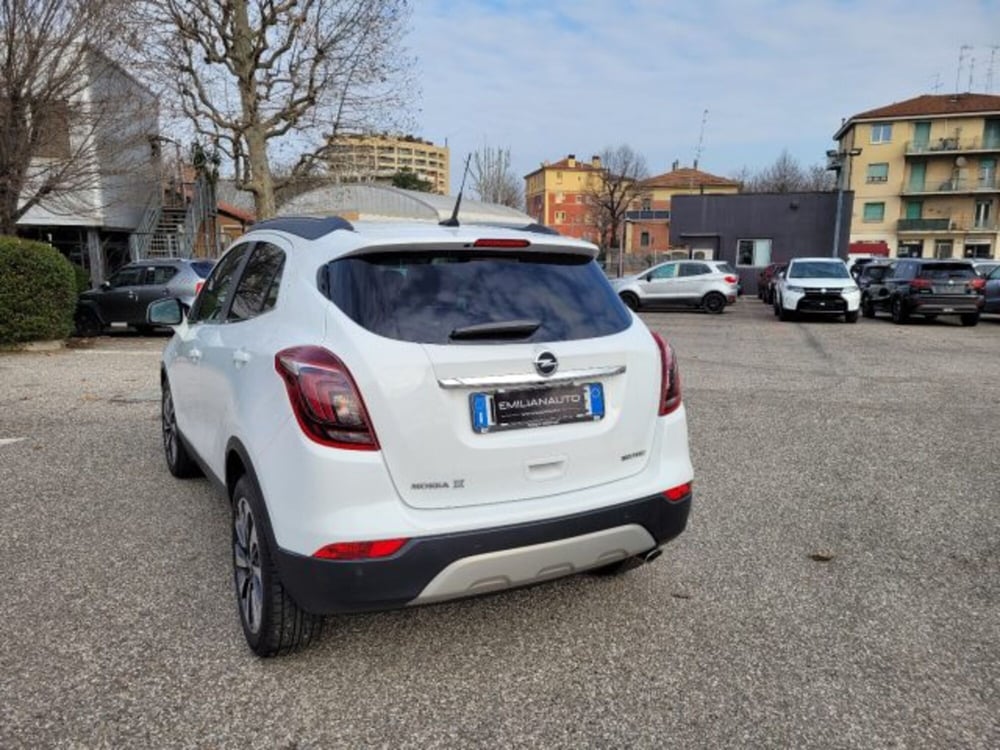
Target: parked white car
[
  {"x": 404, "y": 413},
  {"x": 817, "y": 285},
  {"x": 709, "y": 284}
]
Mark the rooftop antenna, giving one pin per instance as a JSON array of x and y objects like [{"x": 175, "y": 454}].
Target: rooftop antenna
[
  {"x": 453, "y": 221},
  {"x": 989, "y": 71},
  {"x": 937, "y": 83},
  {"x": 701, "y": 139},
  {"x": 961, "y": 61},
  {"x": 972, "y": 69}
]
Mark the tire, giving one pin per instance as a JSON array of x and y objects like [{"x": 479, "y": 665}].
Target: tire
[
  {"x": 713, "y": 303},
  {"x": 87, "y": 323},
  {"x": 783, "y": 314},
  {"x": 899, "y": 313},
  {"x": 774, "y": 306},
  {"x": 969, "y": 319},
  {"x": 272, "y": 622},
  {"x": 179, "y": 461},
  {"x": 867, "y": 308},
  {"x": 851, "y": 316},
  {"x": 631, "y": 301}
]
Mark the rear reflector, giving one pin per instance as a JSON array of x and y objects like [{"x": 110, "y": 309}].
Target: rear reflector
[
  {"x": 360, "y": 550},
  {"x": 681, "y": 491},
  {"x": 501, "y": 243}
]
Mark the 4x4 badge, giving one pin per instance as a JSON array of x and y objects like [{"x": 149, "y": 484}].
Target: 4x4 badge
[{"x": 546, "y": 363}]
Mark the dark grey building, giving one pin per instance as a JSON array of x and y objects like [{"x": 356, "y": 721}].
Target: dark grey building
[{"x": 751, "y": 230}]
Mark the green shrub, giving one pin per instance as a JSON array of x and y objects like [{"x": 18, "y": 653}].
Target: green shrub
[
  {"x": 82, "y": 278},
  {"x": 37, "y": 292}
]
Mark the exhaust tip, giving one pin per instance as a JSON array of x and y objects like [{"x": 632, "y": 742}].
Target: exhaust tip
[{"x": 652, "y": 555}]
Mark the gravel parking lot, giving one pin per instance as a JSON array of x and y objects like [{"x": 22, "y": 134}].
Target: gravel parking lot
[{"x": 838, "y": 586}]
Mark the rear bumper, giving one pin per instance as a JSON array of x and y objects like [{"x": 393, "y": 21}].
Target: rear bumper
[
  {"x": 936, "y": 304},
  {"x": 561, "y": 545}
]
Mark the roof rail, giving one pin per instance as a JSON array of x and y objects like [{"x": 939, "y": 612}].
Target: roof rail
[{"x": 306, "y": 227}]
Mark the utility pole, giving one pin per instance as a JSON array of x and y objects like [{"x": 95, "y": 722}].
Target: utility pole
[{"x": 835, "y": 160}]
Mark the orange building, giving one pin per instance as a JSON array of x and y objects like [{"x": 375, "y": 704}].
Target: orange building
[
  {"x": 556, "y": 196},
  {"x": 647, "y": 222}
]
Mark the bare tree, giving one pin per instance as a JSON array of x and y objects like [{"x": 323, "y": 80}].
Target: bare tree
[
  {"x": 266, "y": 80},
  {"x": 71, "y": 122},
  {"x": 785, "y": 175},
  {"x": 612, "y": 190},
  {"x": 494, "y": 179}
]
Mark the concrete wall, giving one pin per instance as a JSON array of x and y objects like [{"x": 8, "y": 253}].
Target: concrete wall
[{"x": 797, "y": 225}]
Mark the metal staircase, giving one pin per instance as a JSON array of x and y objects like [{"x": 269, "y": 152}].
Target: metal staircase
[{"x": 174, "y": 220}]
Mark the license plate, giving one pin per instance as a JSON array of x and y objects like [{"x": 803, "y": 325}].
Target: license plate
[
  {"x": 948, "y": 309},
  {"x": 536, "y": 407}
]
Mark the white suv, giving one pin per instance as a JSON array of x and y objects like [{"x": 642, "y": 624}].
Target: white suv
[
  {"x": 817, "y": 285},
  {"x": 406, "y": 413},
  {"x": 708, "y": 284}
]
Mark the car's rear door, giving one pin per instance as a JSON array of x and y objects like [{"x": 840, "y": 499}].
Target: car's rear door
[{"x": 993, "y": 292}]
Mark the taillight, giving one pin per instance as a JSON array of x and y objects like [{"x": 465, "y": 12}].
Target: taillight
[
  {"x": 730, "y": 279},
  {"x": 670, "y": 377},
  {"x": 197, "y": 287},
  {"x": 977, "y": 284},
  {"x": 360, "y": 550},
  {"x": 921, "y": 283},
  {"x": 681, "y": 491},
  {"x": 325, "y": 398}
]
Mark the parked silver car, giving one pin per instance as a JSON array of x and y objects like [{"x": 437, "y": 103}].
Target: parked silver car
[
  {"x": 708, "y": 284},
  {"x": 122, "y": 299}
]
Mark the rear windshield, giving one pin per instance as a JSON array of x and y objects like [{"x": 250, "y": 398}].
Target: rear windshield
[
  {"x": 818, "y": 269},
  {"x": 456, "y": 297},
  {"x": 203, "y": 267},
  {"x": 947, "y": 271}
]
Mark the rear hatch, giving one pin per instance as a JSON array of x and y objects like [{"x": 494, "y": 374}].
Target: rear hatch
[
  {"x": 948, "y": 278},
  {"x": 496, "y": 375}
]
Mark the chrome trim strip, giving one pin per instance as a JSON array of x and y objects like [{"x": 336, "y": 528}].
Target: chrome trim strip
[{"x": 531, "y": 379}]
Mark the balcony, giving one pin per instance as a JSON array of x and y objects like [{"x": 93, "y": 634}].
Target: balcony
[
  {"x": 953, "y": 145},
  {"x": 650, "y": 215},
  {"x": 954, "y": 186},
  {"x": 923, "y": 225}
]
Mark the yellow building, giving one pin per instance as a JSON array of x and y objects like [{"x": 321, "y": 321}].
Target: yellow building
[
  {"x": 556, "y": 196},
  {"x": 647, "y": 222},
  {"x": 378, "y": 157},
  {"x": 925, "y": 180}
]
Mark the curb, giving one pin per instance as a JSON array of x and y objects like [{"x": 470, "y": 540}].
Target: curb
[{"x": 34, "y": 346}]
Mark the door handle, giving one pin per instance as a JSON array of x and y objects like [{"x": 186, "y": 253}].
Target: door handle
[
  {"x": 241, "y": 357},
  {"x": 194, "y": 355}
]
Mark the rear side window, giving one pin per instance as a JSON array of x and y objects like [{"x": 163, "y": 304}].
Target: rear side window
[
  {"x": 694, "y": 269},
  {"x": 161, "y": 275},
  {"x": 947, "y": 271},
  {"x": 203, "y": 267},
  {"x": 425, "y": 297}
]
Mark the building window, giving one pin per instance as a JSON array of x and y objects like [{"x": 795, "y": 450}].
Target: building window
[
  {"x": 874, "y": 212},
  {"x": 753, "y": 252},
  {"x": 579, "y": 197},
  {"x": 560, "y": 217},
  {"x": 882, "y": 132},
  {"x": 560, "y": 197},
  {"x": 942, "y": 248},
  {"x": 52, "y": 130},
  {"x": 644, "y": 239},
  {"x": 878, "y": 172},
  {"x": 646, "y": 204}
]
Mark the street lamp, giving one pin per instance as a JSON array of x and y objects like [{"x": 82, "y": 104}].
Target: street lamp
[{"x": 835, "y": 162}]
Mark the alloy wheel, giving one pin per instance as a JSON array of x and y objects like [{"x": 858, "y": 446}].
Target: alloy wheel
[
  {"x": 169, "y": 423},
  {"x": 247, "y": 566}
]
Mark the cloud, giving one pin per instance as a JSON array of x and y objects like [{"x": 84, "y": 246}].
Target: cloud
[{"x": 576, "y": 76}]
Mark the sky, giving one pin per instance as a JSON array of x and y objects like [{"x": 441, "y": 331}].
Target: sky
[{"x": 547, "y": 78}]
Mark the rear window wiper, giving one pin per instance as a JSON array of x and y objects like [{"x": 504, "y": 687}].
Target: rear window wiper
[{"x": 513, "y": 329}]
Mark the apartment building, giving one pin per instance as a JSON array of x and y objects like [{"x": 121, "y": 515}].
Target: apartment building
[
  {"x": 924, "y": 175},
  {"x": 376, "y": 158},
  {"x": 647, "y": 222},
  {"x": 556, "y": 196}
]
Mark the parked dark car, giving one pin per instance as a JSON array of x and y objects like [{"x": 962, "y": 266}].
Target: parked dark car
[
  {"x": 122, "y": 299},
  {"x": 871, "y": 273},
  {"x": 766, "y": 279},
  {"x": 985, "y": 267},
  {"x": 926, "y": 287},
  {"x": 992, "y": 302}
]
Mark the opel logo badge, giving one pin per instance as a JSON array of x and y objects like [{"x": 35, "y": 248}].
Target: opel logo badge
[{"x": 546, "y": 363}]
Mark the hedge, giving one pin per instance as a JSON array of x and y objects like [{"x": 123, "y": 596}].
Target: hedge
[{"x": 37, "y": 292}]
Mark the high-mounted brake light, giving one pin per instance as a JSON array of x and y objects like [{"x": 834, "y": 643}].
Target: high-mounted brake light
[
  {"x": 681, "y": 491},
  {"x": 670, "y": 377},
  {"x": 360, "y": 550},
  {"x": 501, "y": 243},
  {"x": 325, "y": 398}
]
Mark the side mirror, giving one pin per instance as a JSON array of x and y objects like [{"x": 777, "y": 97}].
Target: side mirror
[
  {"x": 105, "y": 285},
  {"x": 165, "y": 312}
]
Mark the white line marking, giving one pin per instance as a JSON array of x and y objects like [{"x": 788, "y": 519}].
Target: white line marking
[
  {"x": 8, "y": 441},
  {"x": 151, "y": 352}
]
